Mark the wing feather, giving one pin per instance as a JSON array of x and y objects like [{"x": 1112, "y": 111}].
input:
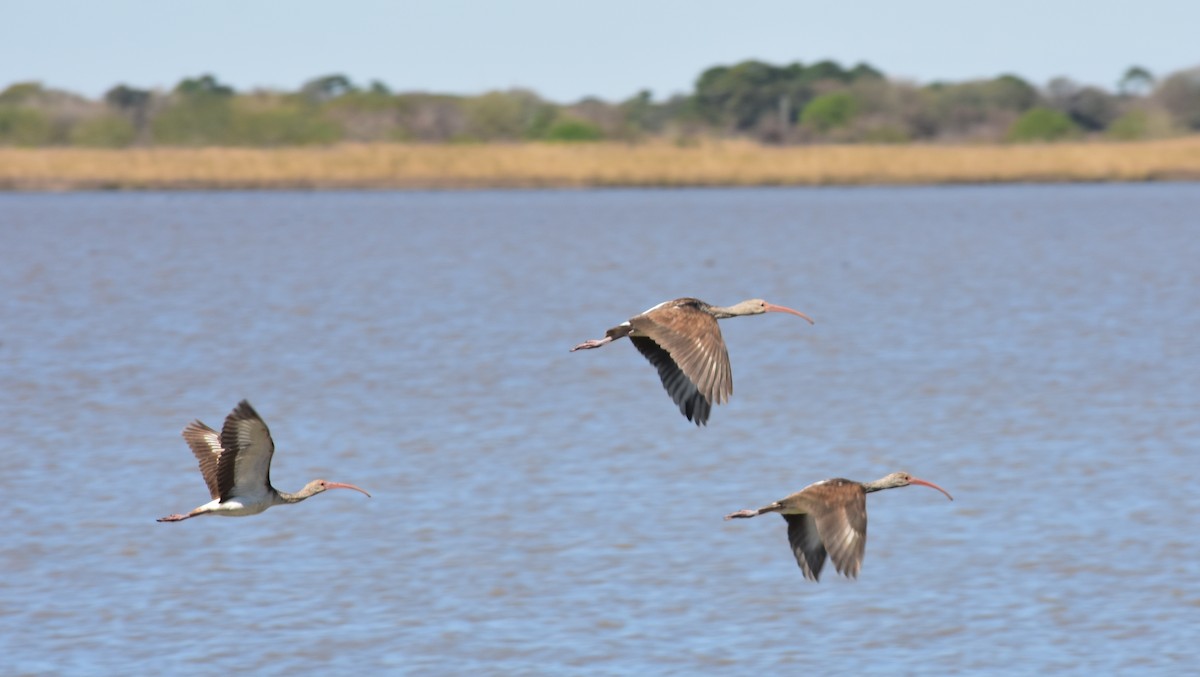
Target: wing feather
[
  {"x": 839, "y": 508},
  {"x": 683, "y": 392},
  {"x": 245, "y": 467},
  {"x": 805, "y": 539},
  {"x": 683, "y": 341},
  {"x": 205, "y": 444}
]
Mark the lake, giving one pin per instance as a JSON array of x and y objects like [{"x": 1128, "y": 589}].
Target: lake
[{"x": 1033, "y": 349}]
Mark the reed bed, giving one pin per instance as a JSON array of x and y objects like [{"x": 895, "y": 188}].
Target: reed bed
[{"x": 711, "y": 163}]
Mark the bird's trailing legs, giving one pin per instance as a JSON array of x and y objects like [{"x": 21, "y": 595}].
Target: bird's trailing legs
[
  {"x": 592, "y": 343},
  {"x": 175, "y": 518},
  {"x": 753, "y": 513}
]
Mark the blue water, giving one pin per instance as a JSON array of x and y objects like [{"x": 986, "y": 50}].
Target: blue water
[{"x": 1033, "y": 349}]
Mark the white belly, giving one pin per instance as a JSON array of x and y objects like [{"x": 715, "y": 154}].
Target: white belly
[{"x": 236, "y": 507}]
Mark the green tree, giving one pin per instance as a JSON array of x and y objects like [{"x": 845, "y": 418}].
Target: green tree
[
  {"x": 21, "y": 126},
  {"x": 133, "y": 103},
  {"x": 573, "y": 129},
  {"x": 864, "y": 71},
  {"x": 200, "y": 112},
  {"x": 1092, "y": 108},
  {"x": 1131, "y": 126},
  {"x": 822, "y": 70},
  {"x": 974, "y": 109},
  {"x": 206, "y": 84},
  {"x": 1011, "y": 92},
  {"x": 830, "y": 111},
  {"x": 753, "y": 94},
  {"x": 274, "y": 120},
  {"x": 515, "y": 114},
  {"x": 105, "y": 131},
  {"x": 122, "y": 97},
  {"x": 1142, "y": 122},
  {"x": 194, "y": 121},
  {"x": 738, "y": 96},
  {"x": 327, "y": 88},
  {"x": 21, "y": 92},
  {"x": 1136, "y": 81},
  {"x": 1042, "y": 124},
  {"x": 638, "y": 113}
]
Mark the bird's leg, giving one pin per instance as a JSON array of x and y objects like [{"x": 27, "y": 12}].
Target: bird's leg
[
  {"x": 592, "y": 343},
  {"x": 179, "y": 518},
  {"x": 774, "y": 507}
]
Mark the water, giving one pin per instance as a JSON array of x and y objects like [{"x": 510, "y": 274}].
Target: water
[{"x": 1034, "y": 350}]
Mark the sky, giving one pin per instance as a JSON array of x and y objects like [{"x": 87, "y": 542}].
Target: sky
[{"x": 566, "y": 50}]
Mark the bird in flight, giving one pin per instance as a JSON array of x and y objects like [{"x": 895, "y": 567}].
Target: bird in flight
[
  {"x": 236, "y": 465},
  {"x": 682, "y": 340}
]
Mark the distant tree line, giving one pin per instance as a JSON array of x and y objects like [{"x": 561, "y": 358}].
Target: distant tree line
[{"x": 791, "y": 104}]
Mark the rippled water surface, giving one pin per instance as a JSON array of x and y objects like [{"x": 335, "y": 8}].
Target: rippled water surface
[{"x": 1034, "y": 350}]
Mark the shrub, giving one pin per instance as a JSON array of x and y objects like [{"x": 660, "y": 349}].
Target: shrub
[
  {"x": 1130, "y": 126},
  {"x": 511, "y": 115},
  {"x": 194, "y": 121},
  {"x": 20, "y": 126},
  {"x": 275, "y": 123},
  {"x": 1042, "y": 124},
  {"x": 829, "y": 111},
  {"x": 573, "y": 129},
  {"x": 106, "y": 131},
  {"x": 1142, "y": 123}
]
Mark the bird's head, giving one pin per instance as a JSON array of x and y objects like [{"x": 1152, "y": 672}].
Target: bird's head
[
  {"x": 759, "y": 306},
  {"x": 317, "y": 486},
  {"x": 903, "y": 479}
]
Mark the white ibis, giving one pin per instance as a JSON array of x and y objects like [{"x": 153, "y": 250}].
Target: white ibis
[
  {"x": 831, "y": 515},
  {"x": 236, "y": 465},
  {"x": 682, "y": 340}
]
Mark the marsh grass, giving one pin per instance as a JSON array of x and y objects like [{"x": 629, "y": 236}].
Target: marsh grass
[{"x": 724, "y": 163}]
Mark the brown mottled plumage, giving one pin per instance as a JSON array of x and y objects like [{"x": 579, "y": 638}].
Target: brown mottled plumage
[
  {"x": 682, "y": 340},
  {"x": 830, "y": 516}
]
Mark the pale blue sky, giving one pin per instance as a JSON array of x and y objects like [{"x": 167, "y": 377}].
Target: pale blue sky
[{"x": 566, "y": 50}]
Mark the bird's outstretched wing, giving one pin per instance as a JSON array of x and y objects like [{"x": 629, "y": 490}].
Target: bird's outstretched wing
[
  {"x": 245, "y": 466},
  {"x": 806, "y": 544},
  {"x": 840, "y": 513},
  {"x": 683, "y": 392},
  {"x": 684, "y": 343},
  {"x": 205, "y": 444}
]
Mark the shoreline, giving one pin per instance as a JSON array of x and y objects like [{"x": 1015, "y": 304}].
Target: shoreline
[{"x": 656, "y": 164}]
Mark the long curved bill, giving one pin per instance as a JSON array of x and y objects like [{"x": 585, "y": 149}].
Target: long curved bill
[
  {"x": 772, "y": 308},
  {"x": 930, "y": 485},
  {"x": 343, "y": 485}
]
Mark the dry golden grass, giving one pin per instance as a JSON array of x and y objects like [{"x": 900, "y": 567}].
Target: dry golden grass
[{"x": 728, "y": 163}]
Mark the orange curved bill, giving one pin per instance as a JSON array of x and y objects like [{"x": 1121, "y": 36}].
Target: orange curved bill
[
  {"x": 772, "y": 308},
  {"x": 343, "y": 485},
  {"x": 930, "y": 485}
]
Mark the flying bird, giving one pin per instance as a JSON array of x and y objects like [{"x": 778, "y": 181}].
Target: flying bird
[
  {"x": 830, "y": 516},
  {"x": 682, "y": 340},
  {"x": 236, "y": 464}
]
